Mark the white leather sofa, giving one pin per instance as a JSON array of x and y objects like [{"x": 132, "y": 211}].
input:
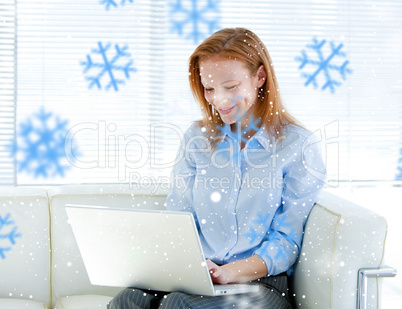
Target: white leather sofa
[{"x": 41, "y": 267}]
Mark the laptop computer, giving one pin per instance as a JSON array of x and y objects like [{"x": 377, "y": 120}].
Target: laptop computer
[{"x": 146, "y": 249}]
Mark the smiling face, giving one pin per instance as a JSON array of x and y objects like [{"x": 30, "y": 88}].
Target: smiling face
[{"x": 230, "y": 87}]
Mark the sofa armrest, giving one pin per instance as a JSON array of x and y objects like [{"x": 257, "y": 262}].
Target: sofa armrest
[
  {"x": 363, "y": 275},
  {"x": 25, "y": 252},
  {"x": 339, "y": 239}
]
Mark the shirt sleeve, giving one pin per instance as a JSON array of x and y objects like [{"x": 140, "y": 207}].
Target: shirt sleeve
[
  {"x": 303, "y": 179},
  {"x": 180, "y": 196}
]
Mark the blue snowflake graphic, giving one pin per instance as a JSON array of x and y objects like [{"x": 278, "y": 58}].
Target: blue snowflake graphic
[
  {"x": 109, "y": 3},
  {"x": 225, "y": 130},
  {"x": 253, "y": 235},
  {"x": 197, "y": 18},
  {"x": 280, "y": 222},
  {"x": 8, "y": 234},
  {"x": 279, "y": 254},
  {"x": 120, "y": 61},
  {"x": 399, "y": 167},
  {"x": 323, "y": 64},
  {"x": 262, "y": 220},
  {"x": 39, "y": 149}
]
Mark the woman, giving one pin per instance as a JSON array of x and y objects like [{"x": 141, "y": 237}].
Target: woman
[{"x": 245, "y": 172}]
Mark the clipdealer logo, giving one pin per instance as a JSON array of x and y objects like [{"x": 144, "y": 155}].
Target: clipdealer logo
[
  {"x": 182, "y": 182},
  {"x": 133, "y": 153},
  {"x": 127, "y": 153}
]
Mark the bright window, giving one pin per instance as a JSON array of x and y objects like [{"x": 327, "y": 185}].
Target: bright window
[{"x": 109, "y": 78}]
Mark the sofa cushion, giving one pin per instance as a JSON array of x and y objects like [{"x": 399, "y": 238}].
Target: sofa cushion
[
  {"x": 69, "y": 275},
  {"x": 21, "y": 304},
  {"x": 83, "y": 302},
  {"x": 24, "y": 245},
  {"x": 340, "y": 238}
]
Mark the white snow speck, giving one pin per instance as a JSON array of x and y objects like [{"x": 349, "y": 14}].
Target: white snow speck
[{"x": 215, "y": 197}]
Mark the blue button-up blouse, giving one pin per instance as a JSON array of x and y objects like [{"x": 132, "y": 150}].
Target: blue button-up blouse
[{"x": 248, "y": 201}]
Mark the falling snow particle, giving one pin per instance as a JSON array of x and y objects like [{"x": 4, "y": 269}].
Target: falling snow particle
[{"x": 215, "y": 197}]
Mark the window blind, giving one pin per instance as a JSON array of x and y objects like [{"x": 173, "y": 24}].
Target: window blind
[
  {"x": 61, "y": 46},
  {"x": 7, "y": 90},
  {"x": 130, "y": 131}
]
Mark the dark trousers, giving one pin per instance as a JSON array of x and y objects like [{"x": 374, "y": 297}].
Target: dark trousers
[{"x": 273, "y": 293}]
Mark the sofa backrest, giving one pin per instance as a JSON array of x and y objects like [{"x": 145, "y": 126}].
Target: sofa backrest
[
  {"x": 340, "y": 238},
  {"x": 69, "y": 276},
  {"x": 24, "y": 244}
]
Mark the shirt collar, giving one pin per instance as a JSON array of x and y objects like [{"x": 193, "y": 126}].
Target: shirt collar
[{"x": 261, "y": 136}]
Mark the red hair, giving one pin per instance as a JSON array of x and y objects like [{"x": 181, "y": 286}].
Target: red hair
[{"x": 243, "y": 45}]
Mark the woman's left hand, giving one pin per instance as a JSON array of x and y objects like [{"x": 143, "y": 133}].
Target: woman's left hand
[{"x": 218, "y": 274}]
